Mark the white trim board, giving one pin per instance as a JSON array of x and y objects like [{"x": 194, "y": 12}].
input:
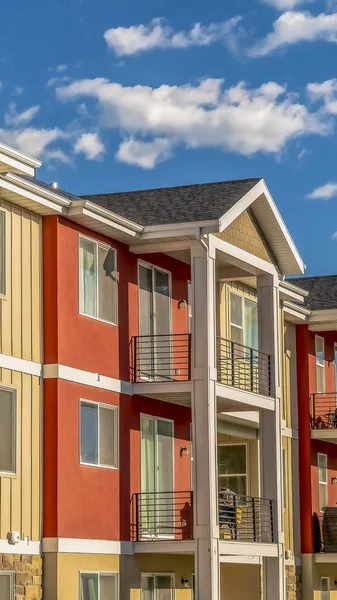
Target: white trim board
[
  {"x": 85, "y": 546},
  {"x": 20, "y": 364},
  {"x": 57, "y": 371},
  {"x": 23, "y": 547}
]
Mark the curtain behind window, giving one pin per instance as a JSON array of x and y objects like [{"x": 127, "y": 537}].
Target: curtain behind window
[
  {"x": 88, "y": 277},
  {"x": 89, "y": 586},
  {"x": 251, "y": 325},
  {"x": 7, "y": 431}
]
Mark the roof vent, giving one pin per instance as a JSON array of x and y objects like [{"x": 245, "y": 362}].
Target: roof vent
[{"x": 55, "y": 185}]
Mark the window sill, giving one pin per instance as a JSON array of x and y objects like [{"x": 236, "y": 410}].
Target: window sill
[
  {"x": 11, "y": 475},
  {"x": 84, "y": 464},
  {"x": 98, "y": 319}
]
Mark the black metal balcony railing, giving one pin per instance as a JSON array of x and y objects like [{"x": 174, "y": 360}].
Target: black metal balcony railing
[
  {"x": 325, "y": 532},
  {"x": 245, "y": 518},
  {"x": 161, "y": 357},
  {"x": 243, "y": 367},
  {"x": 324, "y": 410},
  {"x": 162, "y": 515}
]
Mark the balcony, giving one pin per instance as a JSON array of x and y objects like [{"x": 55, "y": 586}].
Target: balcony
[
  {"x": 161, "y": 358},
  {"x": 324, "y": 416},
  {"x": 243, "y": 368},
  {"x": 159, "y": 516},
  {"x": 246, "y": 519},
  {"x": 325, "y": 535}
]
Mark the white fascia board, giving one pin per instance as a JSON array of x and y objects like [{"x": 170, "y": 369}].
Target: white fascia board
[
  {"x": 241, "y": 560},
  {"x": 194, "y": 229},
  {"x": 105, "y": 216},
  {"x": 299, "y": 313},
  {"x": 326, "y": 558},
  {"x": 243, "y": 259},
  {"x": 287, "y": 285},
  {"x": 238, "y": 549},
  {"x": 165, "y": 547},
  {"x": 18, "y": 160},
  {"x": 80, "y": 546},
  {"x": 57, "y": 206},
  {"x": 258, "y": 190},
  {"x": 323, "y": 316},
  {"x": 289, "y": 293},
  {"x": 162, "y": 247}
]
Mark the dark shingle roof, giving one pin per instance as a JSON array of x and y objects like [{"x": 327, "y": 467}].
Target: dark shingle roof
[
  {"x": 182, "y": 204},
  {"x": 322, "y": 291}
]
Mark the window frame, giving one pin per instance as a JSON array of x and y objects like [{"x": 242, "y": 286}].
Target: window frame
[
  {"x": 106, "y": 247},
  {"x": 3, "y": 290},
  {"x": 152, "y": 267},
  {"x": 110, "y": 407},
  {"x": 237, "y": 474},
  {"x": 99, "y": 573},
  {"x": 324, "y": 483},
  {"x": 15, "y": 431},
  {"x": 11, "y": 574},
  {"x": 159, "y": 574},
  {"x": 329, "y": 589},
  {"x": 243, "y": 328},
  {"x": 319, "y": 365}
]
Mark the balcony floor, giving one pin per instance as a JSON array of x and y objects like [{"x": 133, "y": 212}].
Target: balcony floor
[{"x": 326, "y": 435}]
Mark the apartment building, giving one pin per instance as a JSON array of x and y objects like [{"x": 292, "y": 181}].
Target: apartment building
[
  {"x": 169, "y": 393},
  {"x": 317, "y": 381}
]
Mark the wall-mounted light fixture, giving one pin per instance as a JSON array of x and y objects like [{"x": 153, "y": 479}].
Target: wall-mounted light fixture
[
  {"x": 183, "y": 451},
  {"x": 333, "y": 480},
  {"x": 182, "y": 303},
  {"x": 185, "y": 583},
  {"x": 331, "y": 362}
]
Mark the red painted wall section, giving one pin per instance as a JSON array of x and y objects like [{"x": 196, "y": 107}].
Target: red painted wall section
[
  {"x": 331, "y": 450},
  {"x": 308, "y": 449},
  {"x": 85, "y": 343},
  {"x": 50, "y": 458},
  {"x": 130, "y": 449}
]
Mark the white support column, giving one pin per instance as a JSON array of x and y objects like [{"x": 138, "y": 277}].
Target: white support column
[
  {"x": 205, "y": 488},
  {"x": 271, "y": 471}
]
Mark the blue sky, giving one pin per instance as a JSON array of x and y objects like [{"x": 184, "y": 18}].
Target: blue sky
[{"x": 116, "y": 96}]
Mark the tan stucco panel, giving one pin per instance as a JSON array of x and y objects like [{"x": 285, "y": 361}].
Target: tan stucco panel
[
  {"x": 244, "y": 233},
  {"x": 68, "y": 567},
  {"x": 131, "y": 568},
  {"x": 240, "y": 581}
]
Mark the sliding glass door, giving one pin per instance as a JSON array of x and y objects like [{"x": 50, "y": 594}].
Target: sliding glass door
[
  {"x": 156, "y": 508},
  {"x": 154, "y": 350},
  {"x": 157, "y": 587}
]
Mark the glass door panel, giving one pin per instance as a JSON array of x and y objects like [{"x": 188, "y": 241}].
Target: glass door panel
[
  {"x": 165, "y": 499},
  {"x": 162, "y": 325},
  {"x": 146, "y": 323},
  {"x": 148, "y": 477}
]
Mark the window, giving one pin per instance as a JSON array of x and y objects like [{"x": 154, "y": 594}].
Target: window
[
  {"x": 232, "y": 468},
  {"x": 99, "y": 434},
  {"x": 157, "y": 587},
  {"x": 325, "y": 588},
  {"x": 243, "y": 321},
  {"x": 99, "y": 586},
  {"x": 2, "y": 253},
  {"x": 322, "y": 462},
  {"x": 320, "y": 371},
  {"x": 98, "y": 280},
  {"x": 7, "y": 430},
  {"x": 6, "y": 585}
]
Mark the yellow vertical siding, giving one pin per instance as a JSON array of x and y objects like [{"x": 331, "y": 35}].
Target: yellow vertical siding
[
  {"x": 20, "y": 310},
  {"x": 20, "y": 504}
]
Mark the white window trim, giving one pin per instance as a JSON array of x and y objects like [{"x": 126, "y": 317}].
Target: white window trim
[
  {"x": 15, "y": 427},
  {"x": 328, "y": 580},
  {"x": 318, "y": 365},
  {"x": 160, "y": 574},
  {"x": 102, "y": 405},
  {"x": 107, "y": 247},
  {"x": 322, "y": 482},
  {"x": 247, "y": 463},
  {"x": 99, "y": 573},
  {"x": 3, "y": 295},
  {"x": 243, "y": 328},
  {"x": 12, "y": 580}
]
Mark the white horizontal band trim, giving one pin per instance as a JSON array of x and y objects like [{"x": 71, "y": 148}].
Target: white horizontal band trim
[
  {"x": 241, "y": 560},
  {"x": 22, "y": 547},
  {"x": 239, "y": 549},
  {"x": 57, "y": 371},
  {"x": 20, "y": 364},
  {"x": 84, "y": 546},
  {"x": 290, "y": 433},
  {"x": 165, "y": 547}
]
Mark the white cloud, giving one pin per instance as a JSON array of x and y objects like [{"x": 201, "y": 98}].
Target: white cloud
[
  {"x": 294, "y": 27},
  {"x": 57, "y": 80},
  {"x": 61, "y": 68},
  {"x": 325, "y": 91},
  {"x": 30, "y": 140},
  {"x": 145, "y": 154},
  {"x": 90, "y": 145},
  {"x": 18, "y": 91},
  {"x": 15, "y": 119},
  {"x": 284, "y": 4},
  {"x": 57, "y": 155},
  {"x": 139, "y": 38},
  {"x": 324, "y": 192},
  {"x": 236, "y": 119}
]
